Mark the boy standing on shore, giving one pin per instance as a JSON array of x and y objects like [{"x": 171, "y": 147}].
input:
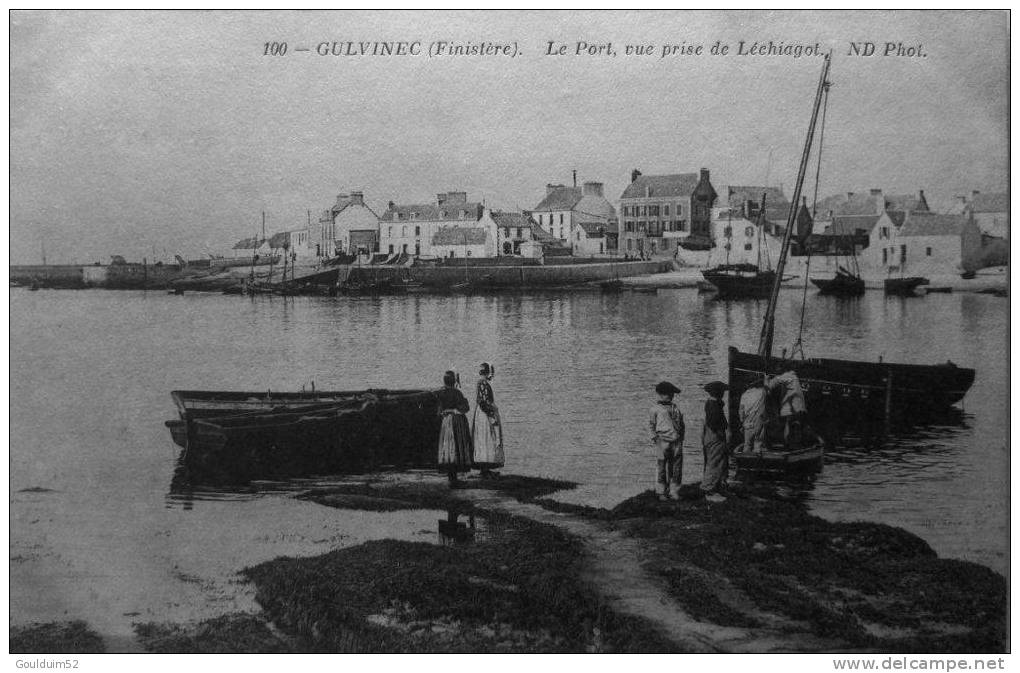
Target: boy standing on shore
[{"x": 667, "y": 426}]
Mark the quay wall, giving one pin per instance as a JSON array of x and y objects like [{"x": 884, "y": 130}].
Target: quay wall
[{"x": 520, "y": 276}]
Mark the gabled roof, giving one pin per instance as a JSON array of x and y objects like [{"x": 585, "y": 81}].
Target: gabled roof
[
  {"x": 561, "y": 198},
  {"x": 542, "y": 235},
  {"x": 897, "y": 216},
  {"x": 851, "y": 225},
  {"x": 864, "y": 203},
  {"x": 989, "y": 203},
  {"x": 650, "y": 186},
  {"x": 933, "y": 224},
  {"x": 432, "y": 212},
  {"x": 459, "y": 236},
  {"x": 511, "y": 219}
]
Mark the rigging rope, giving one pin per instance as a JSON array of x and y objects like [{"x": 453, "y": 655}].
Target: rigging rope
[{"x": 798, "y": 345}]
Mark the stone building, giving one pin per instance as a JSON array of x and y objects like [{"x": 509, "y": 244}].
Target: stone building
[
  {"x": 411, "y": 229},
  {"x": 662, "y": 212},
  {"x": 347, "y": 228},
  {"x": 564, "y": 208}
]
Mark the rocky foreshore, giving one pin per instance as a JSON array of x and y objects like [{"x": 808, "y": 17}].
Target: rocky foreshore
[{"x": 755, "y": 573}]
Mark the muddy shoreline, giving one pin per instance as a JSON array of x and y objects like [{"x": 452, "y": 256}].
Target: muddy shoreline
[{"x": 755, "y": 573}]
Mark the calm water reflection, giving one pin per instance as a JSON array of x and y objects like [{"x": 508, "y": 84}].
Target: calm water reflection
[{"x": 91, "y": 373}]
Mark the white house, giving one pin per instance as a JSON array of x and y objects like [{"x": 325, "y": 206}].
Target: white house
[
  {"x": 564, "y": 207},
  {"x": 344, "y": 225},
  {"x": 591, "y": 239},
  {"x": 411, "y": 229},
  {"x": 991, "y": 212},
  {"x": 463, "y": 241},
  {"x": 922, "y": 243},
  {"x": 512, "y": 229}
]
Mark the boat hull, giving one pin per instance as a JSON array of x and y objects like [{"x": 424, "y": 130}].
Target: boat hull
[
  {"x": 806, "y": 461},
  {"x": 904, "y": 287},
  {"x": 739, "y": 284},
  {"x": 840, "y": 286},
  {"x": 852, "y": 391},
  {"x": 236, "y": 437}
]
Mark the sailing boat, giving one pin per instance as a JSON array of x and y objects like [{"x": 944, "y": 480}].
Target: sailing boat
[
  {"x": 735, "y": 281},
  {"x": 846, "y": 282},
  {"x": 845, "y": 391}
]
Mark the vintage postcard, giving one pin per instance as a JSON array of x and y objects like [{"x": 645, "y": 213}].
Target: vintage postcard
[{"x": 510, "y": 332}]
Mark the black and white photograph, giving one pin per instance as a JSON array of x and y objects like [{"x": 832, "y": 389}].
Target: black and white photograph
[{"x": 510, "y": 332}]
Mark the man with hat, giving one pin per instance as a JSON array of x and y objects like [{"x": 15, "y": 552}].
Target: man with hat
[
  {"x": 667, "y": 426},
  {"x": 713, "y": 443}
]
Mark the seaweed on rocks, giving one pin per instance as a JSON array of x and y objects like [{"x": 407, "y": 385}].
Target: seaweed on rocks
[{"x": 74, "y": 637}]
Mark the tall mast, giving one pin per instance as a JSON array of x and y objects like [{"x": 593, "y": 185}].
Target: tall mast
[{"x": 769, "y": 325}]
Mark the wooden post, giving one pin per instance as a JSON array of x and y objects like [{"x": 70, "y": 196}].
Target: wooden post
[{"x": 888, "y": 400}]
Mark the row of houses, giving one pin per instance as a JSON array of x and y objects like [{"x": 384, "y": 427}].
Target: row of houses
[{"x": 657, "y": 215}]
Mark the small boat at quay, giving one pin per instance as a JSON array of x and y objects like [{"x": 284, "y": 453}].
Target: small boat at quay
[
  {"x": 736, "y": 281},
  {"x": 805, "y": 461},
  {"x": 904, "y": 287},
  {"x": 236, "y": 436},
  {"x": 843, "y": 284}
]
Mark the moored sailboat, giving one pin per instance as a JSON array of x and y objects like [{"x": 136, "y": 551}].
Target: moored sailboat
[{"x": 838, "y": 391}]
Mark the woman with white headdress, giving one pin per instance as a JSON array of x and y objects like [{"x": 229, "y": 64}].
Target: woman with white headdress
[{"x": 486, "y": 427}]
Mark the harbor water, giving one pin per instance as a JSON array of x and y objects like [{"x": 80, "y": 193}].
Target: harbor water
[{"x": 97, "y": 532}]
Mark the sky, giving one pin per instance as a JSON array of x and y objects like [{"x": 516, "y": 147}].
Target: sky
[{"x": 149, "y": 134}]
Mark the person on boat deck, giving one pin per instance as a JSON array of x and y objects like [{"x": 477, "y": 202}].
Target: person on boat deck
[
  {"x": 667, "y": 427},
  {"x": 486, "y": 427},
  {"x": 455, "y": 450},
  {"x": 792, "y": 408},
  {"x": 752, "y": 417},
  {"x": 713, "y": 443}
]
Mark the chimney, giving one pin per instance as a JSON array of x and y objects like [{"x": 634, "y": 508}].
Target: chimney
[
  {"x": 592, "y": 189},
  {"x": 391, "y": 205},
  {"x": 358, "y": 198},
  {"x": 849, "y": 195},
  {"x": 441, "y": 198},
  {"x": 879, "y": 201},
  {"x": 575, "y": 177},
  {"x": 973, "y": 194},
  {"x": 704, "y": 175},
  {"x": 634, "y": 175},
  {"x": 550, "y": 188}
]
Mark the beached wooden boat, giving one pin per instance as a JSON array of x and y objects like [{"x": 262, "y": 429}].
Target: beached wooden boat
[
  {"x": 904, "y": 287},
  {"x": 239, "y": 436},
  {"x": 615, "y": 285}
]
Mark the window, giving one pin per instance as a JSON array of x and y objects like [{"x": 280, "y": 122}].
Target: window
[
  {"x": 727, "y": 232},
  {"x": 417, "y": 247},
  {"x": 518, "y": 232},
  {"x": 927, "y": 252},
  {"x": 463, "y": 214},
  {"x": 578, "y": 235},
  {"x": 903, "y": 253},
  {"x": 417, "y": 230},
  {"x": 389, "y": 232},
  {"x": 884, "y": 233},
  {"x": 630, "y": 243},
  {"x": 403, "y": 232},
  {"x": 749, "y": 231},
  {"x": 468, "y": 252},
  {"x": 414, "y": 215},
  {"x": 508, "y": 248},
  {"x": 665, "y": 210},
  {"x": 391, "y": 248},
  {"x": 405, "y": 248},
  {"x": 679, "y": 209},
  {"x": 443, "y": 214},
  {"x": 885, "y": 256},
  {"x": 748, "y": 246},
  {"x": 506, "y": 232},
  {"x": 561, "y": 218}
]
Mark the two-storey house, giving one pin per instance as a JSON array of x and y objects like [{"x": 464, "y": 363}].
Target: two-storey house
[{"x": 662, "y": 212}]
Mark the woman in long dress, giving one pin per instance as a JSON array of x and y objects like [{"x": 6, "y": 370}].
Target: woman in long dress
[
  {"x": 455, "y": 451},
  {"x": 486, "y": 427}
]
